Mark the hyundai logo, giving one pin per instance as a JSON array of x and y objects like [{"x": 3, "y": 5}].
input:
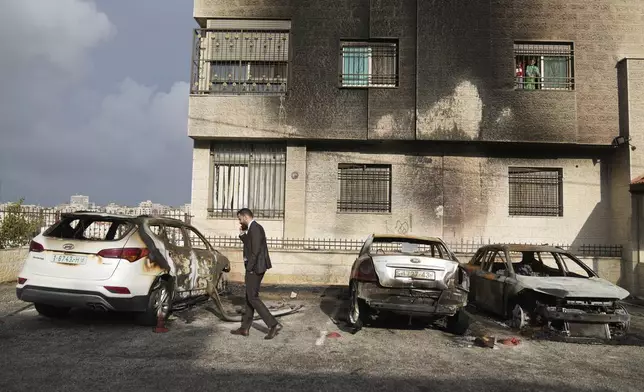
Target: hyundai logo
[
  {"x": 68, "y": 246},
  {"x": 415, "y": 261}
]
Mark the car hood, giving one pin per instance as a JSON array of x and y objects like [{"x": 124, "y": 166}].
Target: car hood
[{"x": 563, "y": 287}]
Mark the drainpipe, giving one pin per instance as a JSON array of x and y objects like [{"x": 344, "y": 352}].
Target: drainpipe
[{"x": 416, "y": 77}]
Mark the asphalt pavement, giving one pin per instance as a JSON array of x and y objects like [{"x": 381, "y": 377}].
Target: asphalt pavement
[{"x": 95, "y": 352}]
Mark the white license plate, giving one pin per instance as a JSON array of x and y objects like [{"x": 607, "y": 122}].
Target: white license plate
[
  {"x": 415, "y": 274},
  {"x": 69, "y": 259}
]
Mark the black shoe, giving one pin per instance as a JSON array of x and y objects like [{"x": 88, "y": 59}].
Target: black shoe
[
  {"x": 273, "y": 331},
  {"x": 239, "y": 331}
]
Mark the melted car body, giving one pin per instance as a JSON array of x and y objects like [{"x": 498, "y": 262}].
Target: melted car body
[{"x": 547, "y": 287}]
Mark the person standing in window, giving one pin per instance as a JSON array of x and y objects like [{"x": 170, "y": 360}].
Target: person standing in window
[
  {"x": 531, "y": 75},
  {"x": 256, "y": 262},
  {"x": 519, "y": 74}
]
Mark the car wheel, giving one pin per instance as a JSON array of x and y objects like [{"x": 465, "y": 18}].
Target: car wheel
[
  {"x": 222, "y": 285},
  {"x": 159, "y": 304},
  {"x": 359, "y": 311},
  {"x": 51, "y": 311},
  {"x": 519, "y": 318},
  {"x": 459, "y": 323}
]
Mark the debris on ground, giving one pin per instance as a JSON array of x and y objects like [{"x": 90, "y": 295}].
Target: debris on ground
[
  {"x": 510, "y": 341},
  {"x": 224, "y": 315},
  {"x": 333, "y": 335},
  {"x": 485, "y": 341},
  {"x": 293, "y": 295}
]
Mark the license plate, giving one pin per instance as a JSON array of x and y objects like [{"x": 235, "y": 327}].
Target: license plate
[
  {"x": 415, "y": 274},
  {"x": 69, "y": 259}
]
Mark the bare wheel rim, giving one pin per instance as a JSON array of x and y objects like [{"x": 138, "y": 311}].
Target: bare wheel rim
[
  {"x": 519, "y": 319},
  {"x": 162, "y": 303},
  {"x": 354, "y": 312}
]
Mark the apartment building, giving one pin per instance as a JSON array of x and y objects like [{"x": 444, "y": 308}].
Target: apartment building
[{"x": 507, "y": 120}]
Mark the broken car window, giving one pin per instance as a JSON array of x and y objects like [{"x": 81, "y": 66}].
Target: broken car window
[
  {"x": 196, "y": 240},
  {"x": 393, "y": 246},
  {"x": 175, "y": 237},
  {"x": 573, "y": 268},
  {"x": 546, "y": 264},
  {"x": 90, "y": 229}
]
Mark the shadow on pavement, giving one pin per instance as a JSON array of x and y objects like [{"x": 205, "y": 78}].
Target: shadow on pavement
[{"x": 351, "y": 380}]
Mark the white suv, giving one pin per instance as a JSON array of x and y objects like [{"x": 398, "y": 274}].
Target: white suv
[{"x": 106, "y": 262}]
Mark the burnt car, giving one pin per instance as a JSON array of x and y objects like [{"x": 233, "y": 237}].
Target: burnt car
[
  {"x": 408, "y": 275},
  {"x": 548, "y": 287},
  {"x": 144, "y": 264}
]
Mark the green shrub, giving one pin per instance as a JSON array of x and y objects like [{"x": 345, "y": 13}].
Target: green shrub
[{"x": 17, "y": 228}]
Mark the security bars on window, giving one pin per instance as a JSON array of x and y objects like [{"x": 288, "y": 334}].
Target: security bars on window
[
  {"x": 369, "y": 64},
  {"x": 536, "y": 192},
  {"x": 364, "y": 188},
  {"x": 235, "y": 62},
  {"x": 544, "y": 66},
  {"x": 248, "y": 175}
]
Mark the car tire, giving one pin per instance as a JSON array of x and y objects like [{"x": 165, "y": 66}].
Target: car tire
[
  {"x": 459, "y": 323},
  {"x": 359, "y": 311},
  {"x": 51, "y": 310},
  {"x": 159, "y": 302}
]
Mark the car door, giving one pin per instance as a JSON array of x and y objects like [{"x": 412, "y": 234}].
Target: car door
[
  {"x": 204, "y": 260},
  {"x": 472, "y": 268},
  {"x": 492, "y": 281},
  {"x": 180, "y": 255}
]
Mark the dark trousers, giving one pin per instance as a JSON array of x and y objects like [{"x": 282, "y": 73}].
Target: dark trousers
[{"x": 253, "y": 303}]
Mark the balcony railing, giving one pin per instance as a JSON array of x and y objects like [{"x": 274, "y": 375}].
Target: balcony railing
[{"x": 240, "y": 62}]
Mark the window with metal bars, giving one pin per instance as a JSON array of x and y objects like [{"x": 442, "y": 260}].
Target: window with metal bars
[
  {"x": 536, "y": 191},
  {"x": 364, "y": 188},
  {"x": 369, "y": 64},
  {"x": 248, "y": 175},
  {"x": 240, "y": 61},
  {"x": 544, "y": 66}
]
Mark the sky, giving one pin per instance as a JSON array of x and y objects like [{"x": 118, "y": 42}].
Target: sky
[{"x": 94, "y": 100}]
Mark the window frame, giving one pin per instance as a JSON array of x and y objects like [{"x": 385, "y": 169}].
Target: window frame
[
  {"x": 242, "y": 154},
  {"x": 340, "y": 199},
  {"x": 369, "y": 44},
  {"x": 568, "y": 46},
  {"x": 517, "y": 210}
]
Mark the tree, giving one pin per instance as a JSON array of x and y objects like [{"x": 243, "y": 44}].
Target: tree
[{"x": 16, "y": 229}]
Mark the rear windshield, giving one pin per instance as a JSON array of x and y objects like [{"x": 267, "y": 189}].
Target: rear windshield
[
  {"x": 90, "y": 229},
  {"x": 386, "y": 246}
]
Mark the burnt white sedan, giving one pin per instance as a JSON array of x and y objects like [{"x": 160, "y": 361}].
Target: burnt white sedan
[{"x": 408, "y": 275}]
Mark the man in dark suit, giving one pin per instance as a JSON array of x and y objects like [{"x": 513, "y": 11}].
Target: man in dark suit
[{"x": 257, "y": 262}]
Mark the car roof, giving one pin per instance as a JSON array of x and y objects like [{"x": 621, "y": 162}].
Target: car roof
[
  {"x": 406, "y": 237},
  {"x": 103, "y": 215},
  {"x": 524, "y": 248}
]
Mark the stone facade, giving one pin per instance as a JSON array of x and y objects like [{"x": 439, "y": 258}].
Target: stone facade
[{"x": 452, "y": 127}]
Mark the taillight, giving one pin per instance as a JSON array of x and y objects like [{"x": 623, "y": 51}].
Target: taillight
[
  {"x": 129, "y": 254},
  {"x": 35, "y": 247},
  {"x": 21, "y": 280},
  {"x": 117, "y": 290},
  {"x": 366, "y": 272}
]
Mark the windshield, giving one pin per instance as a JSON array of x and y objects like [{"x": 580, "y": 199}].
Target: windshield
[
  {"x": 90, "y": 228},
  {"x": 548, "y": 264},
  {"x": 384, "y": 246}
]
